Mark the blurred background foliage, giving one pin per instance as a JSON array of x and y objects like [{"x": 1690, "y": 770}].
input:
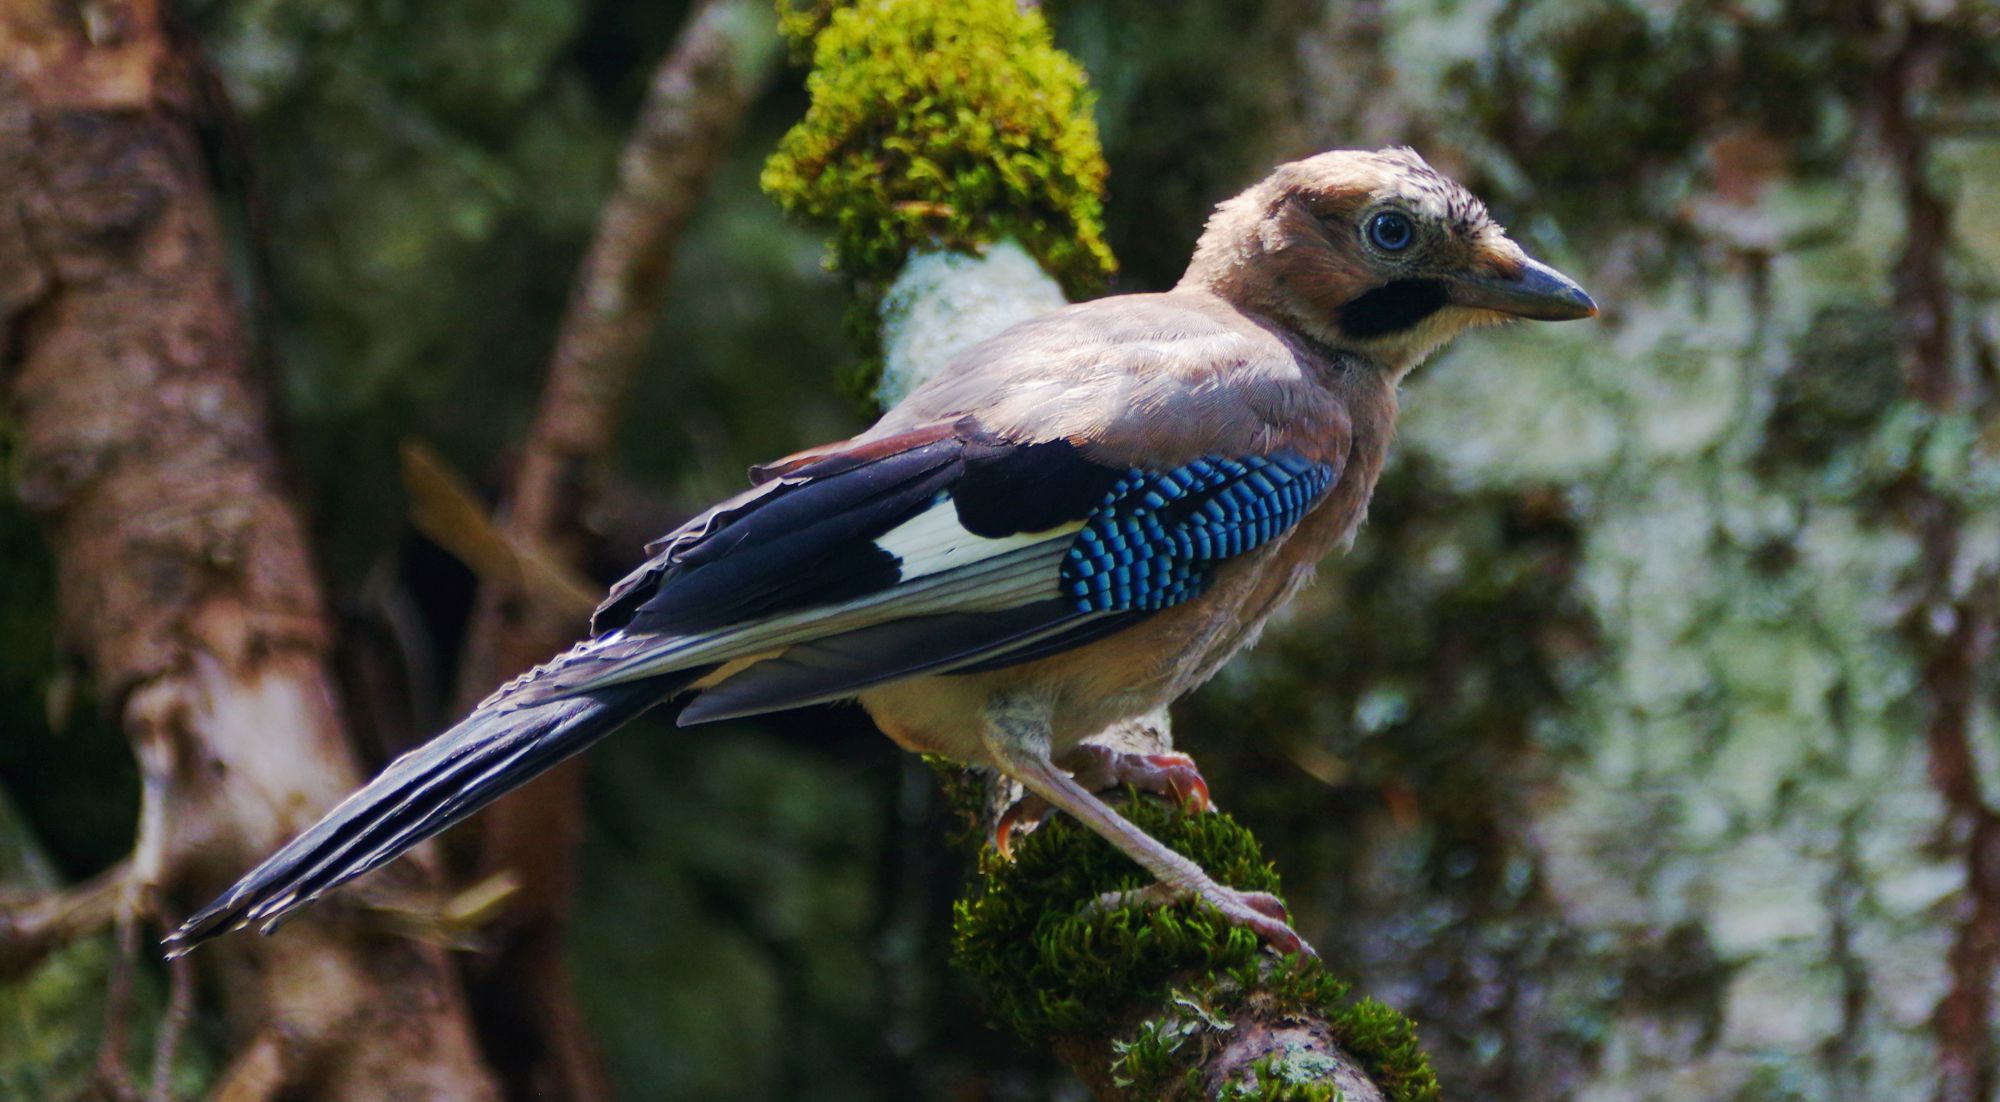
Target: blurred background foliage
[{"x": 1604, "y": 754}]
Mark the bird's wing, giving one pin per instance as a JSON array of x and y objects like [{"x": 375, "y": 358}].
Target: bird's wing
[{"x": 942, "y": 549}]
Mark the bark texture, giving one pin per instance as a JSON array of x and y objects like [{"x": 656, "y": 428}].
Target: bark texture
[{"x": 185, "y": 583}]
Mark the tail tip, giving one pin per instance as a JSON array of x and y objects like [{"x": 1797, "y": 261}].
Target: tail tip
[{"x": 182, "y": 941}]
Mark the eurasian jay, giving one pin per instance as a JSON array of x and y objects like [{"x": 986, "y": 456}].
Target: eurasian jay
[{"x": 1074, "y": 524}]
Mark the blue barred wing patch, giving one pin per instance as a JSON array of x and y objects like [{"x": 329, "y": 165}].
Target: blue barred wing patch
[{"x": 1155, "y": 539}]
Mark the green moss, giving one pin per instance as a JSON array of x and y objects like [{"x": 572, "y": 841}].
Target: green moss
[
  {"x": 1152, "y": 1057},
  {"x": 1050, "y": 964},
  {"x": 1386, "y": 1043},
  {"x": 800, "y": 21},
  {"x": 942, "y": 125}
]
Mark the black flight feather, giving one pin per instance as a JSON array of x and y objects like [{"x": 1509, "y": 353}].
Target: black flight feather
[
  {"x": 517, "y": 735},
  {"x": 843, "y": 665},
  {"x": 809, "y": 539}
]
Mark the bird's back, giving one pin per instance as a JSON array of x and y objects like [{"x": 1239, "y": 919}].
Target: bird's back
[{"x": 1146, "y": 379}]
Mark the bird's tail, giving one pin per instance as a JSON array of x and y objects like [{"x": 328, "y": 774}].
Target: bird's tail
[{"x": 516, "y": 735}]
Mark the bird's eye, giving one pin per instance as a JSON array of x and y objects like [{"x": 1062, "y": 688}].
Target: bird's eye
[{"x": 1391, "y": 231}]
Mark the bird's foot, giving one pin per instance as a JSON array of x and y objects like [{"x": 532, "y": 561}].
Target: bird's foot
[
  {"x": 1102, "y": 769},
  {"x": 1261, "y": 913}
]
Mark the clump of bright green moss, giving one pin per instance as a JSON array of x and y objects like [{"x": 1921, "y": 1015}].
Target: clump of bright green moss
[
  {"x": 949, "y": 124},
  {"x": 941, "y": 124},
  {"x": 1051, "y": 965}
]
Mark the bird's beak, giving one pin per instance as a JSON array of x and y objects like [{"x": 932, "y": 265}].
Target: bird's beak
[{"x": 1531, "y": 289}]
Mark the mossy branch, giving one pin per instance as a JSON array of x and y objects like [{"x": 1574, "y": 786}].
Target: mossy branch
[
  {"x": 940, "y": 126},
  {"x": 1169, "y": 1002},
  {"x": 950, "y": 125}
]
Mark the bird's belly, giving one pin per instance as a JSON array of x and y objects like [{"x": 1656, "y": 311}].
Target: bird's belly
[{"x": 1125, "y": 675}]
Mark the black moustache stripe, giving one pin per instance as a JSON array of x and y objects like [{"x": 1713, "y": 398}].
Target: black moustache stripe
[{"x": 1392, "y": 308}]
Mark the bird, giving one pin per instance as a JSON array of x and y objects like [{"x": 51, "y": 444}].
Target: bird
[{"x": 1076, "y": 522}]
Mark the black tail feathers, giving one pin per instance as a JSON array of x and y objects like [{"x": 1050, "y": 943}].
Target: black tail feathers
[{"x": 516, "y": 735}]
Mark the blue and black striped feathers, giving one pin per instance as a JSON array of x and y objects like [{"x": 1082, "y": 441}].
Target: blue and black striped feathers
[
  {"x": 960, "y": 553},
  {"x": 1154, "y": 539}
]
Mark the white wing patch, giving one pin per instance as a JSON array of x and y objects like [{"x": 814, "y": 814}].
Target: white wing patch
[
  {"x": 933, "y": 541},
  {"x": 944, "y": 569},
  {"x": 990, "y": 584}
]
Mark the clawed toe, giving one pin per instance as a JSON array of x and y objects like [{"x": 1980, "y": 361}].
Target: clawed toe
[
  {"x": 1026, "y": 814},
  {"x": 1101, "y": 769},
  {"x": 1182, "y": 779},
  {"x": 1262, "y": 914},
  {"x": 1265, "y": 903},
  {"x": 1259, "y": 912}
]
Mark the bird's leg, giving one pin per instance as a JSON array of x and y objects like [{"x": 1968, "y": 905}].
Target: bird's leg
[
  {"x": 1105, "y": 769},
  {"x": 1017, "y": 736}
]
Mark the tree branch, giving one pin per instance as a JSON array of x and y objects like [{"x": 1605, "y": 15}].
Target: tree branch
[{"x": 36, "y": 924}]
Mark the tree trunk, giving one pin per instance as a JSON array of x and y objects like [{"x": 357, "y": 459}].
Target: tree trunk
[{"x": 185, "y": 583}]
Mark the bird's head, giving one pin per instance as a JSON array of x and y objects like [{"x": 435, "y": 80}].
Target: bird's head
[{"x": 1376, "y": 255}]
